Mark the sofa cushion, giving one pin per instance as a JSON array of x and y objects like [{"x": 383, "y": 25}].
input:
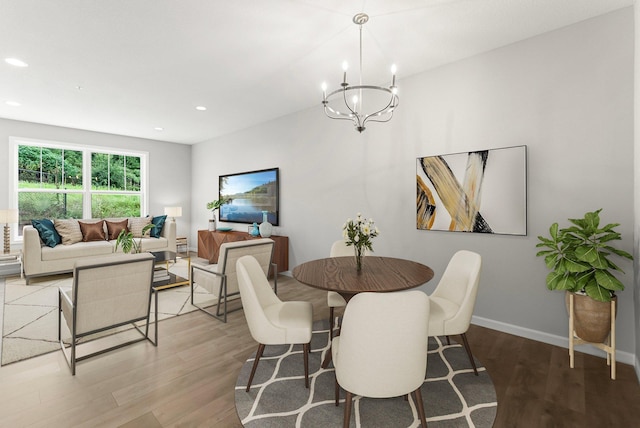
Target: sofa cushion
[
  {"x": 69, "y": 230},
  {"x": 92, "y": 231},
  {"x": 115, "y": 227},
  {"x": 136, "y": 224},
  {"x": 47, "y": 232},
  {"x": 159, "y": 223},
  {"x": 85, "y": 249}
]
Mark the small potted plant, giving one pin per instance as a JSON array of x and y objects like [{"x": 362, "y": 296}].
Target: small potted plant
[
  {"x": 579, "y": 258},
  {"x": 214, "y": 206},
  {"x": 127, "y": 241}
]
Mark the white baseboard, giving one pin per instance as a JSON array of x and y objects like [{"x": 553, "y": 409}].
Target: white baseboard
[{"x": 563, "y": 342}]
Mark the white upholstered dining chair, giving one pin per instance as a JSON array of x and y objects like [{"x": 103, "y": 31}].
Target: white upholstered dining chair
[
  {"x": 454, "y": 298},
  {"x": 221, "y": 280},
  {"x": 106, "y": 293},
  {"x": 270, "y": 320},
  {"x": 382, "y": 348}
]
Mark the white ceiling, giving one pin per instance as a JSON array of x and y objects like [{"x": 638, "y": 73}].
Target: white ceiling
[{"x": 143, "y": 64}]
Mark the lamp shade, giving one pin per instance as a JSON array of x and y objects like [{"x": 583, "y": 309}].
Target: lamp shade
[
  {"x": 9, "y": 216},
  {"x": 173, "y": 211}
]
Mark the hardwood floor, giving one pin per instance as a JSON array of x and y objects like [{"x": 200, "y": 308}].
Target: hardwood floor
[{"x": 189, "y": 379}]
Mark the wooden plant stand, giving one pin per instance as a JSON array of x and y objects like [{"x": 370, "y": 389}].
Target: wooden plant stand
[{"x": 609, "y": 347}]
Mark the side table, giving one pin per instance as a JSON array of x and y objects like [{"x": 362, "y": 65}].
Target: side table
[{"x": 10, "y": 264}]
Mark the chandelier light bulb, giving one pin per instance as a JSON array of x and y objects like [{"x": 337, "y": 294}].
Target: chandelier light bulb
[{"x": 393, "y": 69}]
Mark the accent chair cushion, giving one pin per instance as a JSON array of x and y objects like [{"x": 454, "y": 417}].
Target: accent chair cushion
[
  {"x": 115, "y": 227},
  {"x": 69, "y": 230},
  {"x": 92, "y": 231},
  {"x": 47, "y": 232},
  {"x": 159, "y": 223},
  {"x": 136, "y": 224}
]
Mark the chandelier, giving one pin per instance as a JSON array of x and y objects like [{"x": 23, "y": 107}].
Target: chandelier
[{"x": 381, "y": 101}]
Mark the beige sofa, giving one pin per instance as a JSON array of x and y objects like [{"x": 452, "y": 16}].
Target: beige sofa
[{"x": 39, "y": 259}]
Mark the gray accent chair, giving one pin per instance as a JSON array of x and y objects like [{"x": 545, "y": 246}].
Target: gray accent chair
[
  {"x": 221, "y": 279},
  {"x": 107, "y": 293}
]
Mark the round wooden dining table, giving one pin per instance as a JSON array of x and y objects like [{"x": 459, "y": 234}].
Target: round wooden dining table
[{"x": 378, "y": 274}]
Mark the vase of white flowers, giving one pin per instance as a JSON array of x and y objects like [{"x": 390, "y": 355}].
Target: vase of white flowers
[{"x": 359, "y": 233}]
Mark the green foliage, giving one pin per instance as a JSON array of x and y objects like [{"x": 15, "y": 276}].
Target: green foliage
[
  {"x": 214, "y": 205},
  {"x": 128, "y": 243},
  {"x": 45, "y": 168},
  {"x": 579, "y": 257}
]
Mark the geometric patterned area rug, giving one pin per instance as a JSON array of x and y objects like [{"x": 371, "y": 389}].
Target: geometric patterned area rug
[
  {"x": 30, "y": 312},
  {"x": 453, "y": 396}
]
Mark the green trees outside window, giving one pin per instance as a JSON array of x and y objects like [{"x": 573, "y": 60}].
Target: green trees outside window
[{"x": 51, "y": 183}]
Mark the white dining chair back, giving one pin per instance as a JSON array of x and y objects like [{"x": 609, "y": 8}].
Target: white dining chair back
[
  {"x": 270, "y": 320},
  {"x": 382, "y": 348},
  {"x": 341, "y": 249},
  {"x": 454, "y": 299}
]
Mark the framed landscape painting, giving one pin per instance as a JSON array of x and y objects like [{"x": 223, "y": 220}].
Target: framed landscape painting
[{"x": 483, "y": 191}]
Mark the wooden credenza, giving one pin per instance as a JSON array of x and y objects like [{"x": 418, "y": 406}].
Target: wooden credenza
[{"x": 209, "y": 242}]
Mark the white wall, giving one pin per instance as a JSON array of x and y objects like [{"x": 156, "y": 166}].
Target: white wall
[
  {"x": 567, "y": 95},
  {"x": 169, "y": 163}
]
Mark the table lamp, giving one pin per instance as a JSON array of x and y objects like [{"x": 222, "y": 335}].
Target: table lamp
[
  {"x": 173, "y": 212},
  {"x": 6, "y": 217}
]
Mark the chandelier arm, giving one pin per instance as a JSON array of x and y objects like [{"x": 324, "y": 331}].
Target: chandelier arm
[
  {"x": 385, "y": 120},
  {"x": 393, "y": 103},
  {"x": 346, "y": 103},
  {"x": 332, "y": 114}
]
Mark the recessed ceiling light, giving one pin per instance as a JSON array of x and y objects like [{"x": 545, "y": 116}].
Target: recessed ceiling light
[
  {"x": 158, "y": 128},
  {"x": 13, "y": 103},
  {"x": 16, "y": 62},
  {"x": 201, "y": 108}
]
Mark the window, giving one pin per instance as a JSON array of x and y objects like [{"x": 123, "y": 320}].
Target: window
[{"x": 57, "y": 180}]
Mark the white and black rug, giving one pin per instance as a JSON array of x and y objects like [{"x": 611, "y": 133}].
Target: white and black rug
[{"x": 453, "y": 396}]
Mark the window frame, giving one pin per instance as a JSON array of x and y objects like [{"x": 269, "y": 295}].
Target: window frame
[{"x": 86, "y": 191}]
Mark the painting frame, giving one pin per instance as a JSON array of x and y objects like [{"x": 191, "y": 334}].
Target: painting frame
[{"x": 480, "y": 191}]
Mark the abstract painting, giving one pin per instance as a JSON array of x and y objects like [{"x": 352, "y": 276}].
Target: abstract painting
[{"x": 483, "y": 191}]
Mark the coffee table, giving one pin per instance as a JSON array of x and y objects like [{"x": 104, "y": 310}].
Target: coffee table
[{"x": 162, "y": 277}]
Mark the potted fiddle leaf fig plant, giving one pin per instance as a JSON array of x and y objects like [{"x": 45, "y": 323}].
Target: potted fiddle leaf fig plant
[
  {"x": 127, "y": 241},
  {"x": 580, "y": 258}
]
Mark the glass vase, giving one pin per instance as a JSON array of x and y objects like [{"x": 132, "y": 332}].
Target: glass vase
[{"x": 359, "y": 253}]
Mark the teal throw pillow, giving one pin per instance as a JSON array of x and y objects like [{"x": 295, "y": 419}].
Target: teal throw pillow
[
  {"x": 159, "y": 223},
  {"x": 47, "y": 232}
]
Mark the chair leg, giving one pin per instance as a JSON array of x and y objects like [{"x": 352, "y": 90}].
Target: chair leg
[
  {"x": 331, "y": 322},
  {"x": 337, "y": 391},
  {"x": 255, "y": 365},
  {"x": 306, "y": 349},
  {"x": 448, "y": 340},
  {"x": 468, "y": 349},
  {"x": 417, "y": 395},
  {"x": 347, "y": 410}
]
